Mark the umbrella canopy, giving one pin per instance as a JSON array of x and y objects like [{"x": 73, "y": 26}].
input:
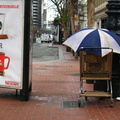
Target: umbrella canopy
[{"x": 94, "y": 38}]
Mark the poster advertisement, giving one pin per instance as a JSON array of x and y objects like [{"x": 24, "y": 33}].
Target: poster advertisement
[{"x": 11, "y": 43}]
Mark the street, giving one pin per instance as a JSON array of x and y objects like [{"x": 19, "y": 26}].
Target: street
[{"x": 44, "y": 52}]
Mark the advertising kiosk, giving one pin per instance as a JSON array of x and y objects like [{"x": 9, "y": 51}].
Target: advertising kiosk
[{"x": 15, "y": 46}]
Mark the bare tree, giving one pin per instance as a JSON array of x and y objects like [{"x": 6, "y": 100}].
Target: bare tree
[
  {"x": 66, "y": 11},
  {"x": 64, "y": 15},
  {"x": 73, "y": 9}
]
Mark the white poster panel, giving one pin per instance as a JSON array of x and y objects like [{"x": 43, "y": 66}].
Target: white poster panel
[{"x": 11, "y": 43}]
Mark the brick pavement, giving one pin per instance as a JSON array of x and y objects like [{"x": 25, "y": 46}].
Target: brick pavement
[{"x": 53, "y": 83}]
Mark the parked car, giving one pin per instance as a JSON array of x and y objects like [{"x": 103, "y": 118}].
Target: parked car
[{"x": 44, "y": 38}]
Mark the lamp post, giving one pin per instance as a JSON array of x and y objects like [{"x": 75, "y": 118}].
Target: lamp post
[
  {"x": 113, "y": 24},
  {"x": 81, "y": 20},
  {"x": 81, "y": 17}
]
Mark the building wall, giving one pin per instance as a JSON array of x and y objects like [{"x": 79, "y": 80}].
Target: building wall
[
  {"x": 100, "y": 15},
  {"x": 36, "y": 13},
  {"x": 99, "y": 2},
  {"x": 83, "y": 11},
  {"x": 36, "y": 18}
]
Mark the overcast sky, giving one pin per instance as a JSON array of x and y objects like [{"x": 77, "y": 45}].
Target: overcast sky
[{"x": 51, "y": 13}]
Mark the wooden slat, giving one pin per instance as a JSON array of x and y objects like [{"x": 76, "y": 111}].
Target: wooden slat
[
  {"x": 95, "y": 94},
  {"x": 94, "y": 78}
]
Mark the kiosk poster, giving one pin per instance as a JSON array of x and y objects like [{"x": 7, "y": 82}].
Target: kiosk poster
[{"x": 11, "y": 43}]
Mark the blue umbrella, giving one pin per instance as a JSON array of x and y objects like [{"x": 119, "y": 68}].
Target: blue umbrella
[{"x": 94, "y": 38}]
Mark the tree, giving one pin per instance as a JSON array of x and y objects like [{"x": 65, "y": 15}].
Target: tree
[
  {"x": 67, "y": 10},
  {"x": 73, "y": 9},
  {"x": 64, "y": 15},
  {"x": 56, "y": 21},
  {"x": 90, "y": 9}
]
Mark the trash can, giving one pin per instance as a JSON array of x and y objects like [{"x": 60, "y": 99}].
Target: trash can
[
  {"x": 116, "y": 86},
  {"x": 68, "y": 49}
]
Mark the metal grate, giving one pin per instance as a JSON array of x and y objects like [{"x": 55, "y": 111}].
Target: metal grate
[
  {"x": 76, "y": 74},
  {"x": 72, "y": 104}
]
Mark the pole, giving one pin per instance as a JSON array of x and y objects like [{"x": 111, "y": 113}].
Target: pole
[
  {"x": 24, "y": 92},
  {"x": 113, "y": 24}
]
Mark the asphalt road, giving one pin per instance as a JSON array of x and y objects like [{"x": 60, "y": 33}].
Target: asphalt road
[{"x": 45, "y": 52}]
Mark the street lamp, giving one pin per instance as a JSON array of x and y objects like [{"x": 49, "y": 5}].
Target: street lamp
[
  {"x": 81, "y": 17},
  {"x": 113, "y": 24}
]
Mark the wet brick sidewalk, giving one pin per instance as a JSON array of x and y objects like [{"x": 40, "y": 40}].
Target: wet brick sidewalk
[{"x": 55, "y": 83}]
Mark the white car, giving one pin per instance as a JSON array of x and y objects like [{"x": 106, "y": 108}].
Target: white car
[{"x": 46, "y": 38}]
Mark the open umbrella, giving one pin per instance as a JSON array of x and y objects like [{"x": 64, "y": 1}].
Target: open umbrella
[{"x": 94, "y": 38}]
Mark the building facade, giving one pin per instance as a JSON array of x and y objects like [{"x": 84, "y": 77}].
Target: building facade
[
  {"x": 82, "y": 13},
  {"x": 36, "y": 16},
  {"x": 36, "y": 13},
  {"x": 100, "y": 15}
]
